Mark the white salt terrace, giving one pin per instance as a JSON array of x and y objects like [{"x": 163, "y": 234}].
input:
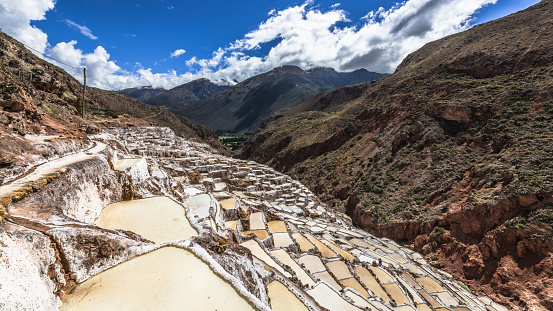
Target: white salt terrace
[
  {"x": 256, "y": 221},
  {"x": 285, "y": 226},
  {"x": 50, "y": 167}
]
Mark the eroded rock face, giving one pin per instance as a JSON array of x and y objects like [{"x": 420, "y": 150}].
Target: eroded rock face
[
  {"x": 496, "y": 250},
  {"x": 26, "y": 263},
  {"x": 458, "y": 113}
]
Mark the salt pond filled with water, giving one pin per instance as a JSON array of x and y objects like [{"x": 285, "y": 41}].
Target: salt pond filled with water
[
  {"x": 169, "y": 278},
  {"x": 199, "y": 205},
  {"x": 158, "y": 219},
  {"x": 123, "y": 164},
  {"x": 282, "y": 299}
]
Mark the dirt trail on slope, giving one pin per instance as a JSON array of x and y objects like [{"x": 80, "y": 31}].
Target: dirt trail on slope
[{"x": 43, "y": 170}]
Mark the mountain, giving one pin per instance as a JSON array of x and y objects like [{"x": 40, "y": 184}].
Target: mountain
[
  {"x": 108, "y": 103},
  {"x": 143, "y": 94},
  {"x": 450, "y": 155},
  {"x": 189, "y": 92},
  {"x": 241, "y": 108},
  {"x": 37, "y": 97}
]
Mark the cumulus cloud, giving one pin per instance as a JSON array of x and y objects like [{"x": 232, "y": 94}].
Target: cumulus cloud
[
  {"x": 16, "y": 17},
  {"x": 82, "y": 29},
  {"x": 178, "y": 53},
  {"x": 305, "y": 36},
  {"x": 302, "y": 35},
  {"x": 68, "y": 54},
  {"x": 106, "y": 74},
  {"x": 308, "y": 37}
]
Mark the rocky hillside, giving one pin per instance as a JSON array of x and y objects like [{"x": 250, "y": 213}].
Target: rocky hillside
[
  {"x": 143, "y": 94},
  {"x": 37, "y": 97},
  {"x": 188, "y": 92},
  {"x": 241, "y": 108},
  {"x": 110, "y": 104},
  {"x": 451, "y": 154}
]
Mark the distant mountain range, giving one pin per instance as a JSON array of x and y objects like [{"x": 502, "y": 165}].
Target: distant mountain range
[
  {"x": 143, "y": 94},
  {"x": 242, "y": 107},
  {"x": 190, "y": 92}
]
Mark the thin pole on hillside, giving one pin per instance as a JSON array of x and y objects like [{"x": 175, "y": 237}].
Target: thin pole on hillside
[{"x": 84, "y": 90}]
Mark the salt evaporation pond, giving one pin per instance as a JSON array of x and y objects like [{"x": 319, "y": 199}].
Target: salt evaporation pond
[
  {"x": 169, "y": 278},
  {"x": 158, "y": 219},
  {"x": 282, "y": 299},
  {"x": 228, "y": 203},
  {"x": 199, "y": 205},
  {"x": 123, "y": 164}
]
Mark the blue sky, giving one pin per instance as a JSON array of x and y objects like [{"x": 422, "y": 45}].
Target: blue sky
[{"x": 165, "y": 43}]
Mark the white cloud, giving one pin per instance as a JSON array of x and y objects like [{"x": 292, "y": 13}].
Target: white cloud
[
  {"x": 170, "y": 7},
  {"x": 308, "y": 37},
  {"x": 68, "y": 54},
  {"x": 301, "y": 35},
  {"x": 178, "y": 53},
  {"x": 16, "y": 17},
  {"x": 85, "y": 31}
]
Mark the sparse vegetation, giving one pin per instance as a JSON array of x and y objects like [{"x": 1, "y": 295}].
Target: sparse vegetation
[
  {"x": 463, "y": 285},
  {"x": 437, "y": 231},
  {"x": 234, "y": 142}
]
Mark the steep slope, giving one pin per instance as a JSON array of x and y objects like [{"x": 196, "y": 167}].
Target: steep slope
[
  {"x": 114, "y": 104},
  {"x": 242, "y": 107},
  {"x": 451, "y": 154},
  {"x": 38, "y": 97},
  {"x": 143, "y": 94},
  {"x": 189, "y": 92}
]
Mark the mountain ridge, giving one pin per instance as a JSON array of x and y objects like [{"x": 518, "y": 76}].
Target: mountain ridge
[
  {"x": 448, "y": 155},
  {"x": 242, "y": 107},
  {"x": 143, "y": 94},
  {"x": 189, "y": 92}
]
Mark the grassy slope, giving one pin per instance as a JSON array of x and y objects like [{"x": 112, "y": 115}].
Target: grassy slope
[
  {"x": 460, "y": 136},
  {"x": 466, "y": 99}
]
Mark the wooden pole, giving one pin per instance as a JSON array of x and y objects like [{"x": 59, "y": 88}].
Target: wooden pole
[{"x": 84, "y": 90}]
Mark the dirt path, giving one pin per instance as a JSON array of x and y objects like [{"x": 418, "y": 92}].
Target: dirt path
[{"x": 50, "y": 167}]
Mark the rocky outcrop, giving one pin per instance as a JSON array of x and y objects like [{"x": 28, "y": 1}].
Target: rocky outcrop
[
  {"x": 498, "y": 249},
  {"x": 80, "y": 193}
]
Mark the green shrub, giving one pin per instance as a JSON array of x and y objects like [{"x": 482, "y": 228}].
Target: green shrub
[{"x": 437, "y": 231}]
